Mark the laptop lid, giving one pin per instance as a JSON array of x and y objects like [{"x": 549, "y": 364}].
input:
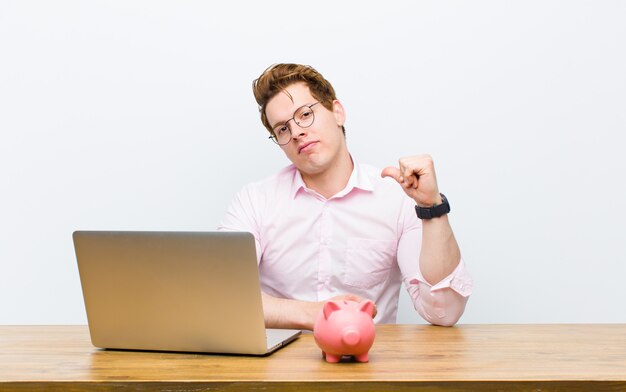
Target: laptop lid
[{"x": 174, "y": 291}]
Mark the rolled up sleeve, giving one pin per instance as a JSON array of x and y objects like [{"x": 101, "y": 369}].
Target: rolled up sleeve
[{"x": 443, "y": 303}]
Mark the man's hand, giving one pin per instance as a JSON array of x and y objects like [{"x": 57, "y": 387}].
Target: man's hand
[{"x": 416, "y": 175}]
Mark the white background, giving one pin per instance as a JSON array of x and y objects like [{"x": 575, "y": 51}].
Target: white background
[{"x": 138, "y": 115}]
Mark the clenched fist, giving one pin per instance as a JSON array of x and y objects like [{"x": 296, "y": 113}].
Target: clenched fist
[{"x": 416, "y": 175}]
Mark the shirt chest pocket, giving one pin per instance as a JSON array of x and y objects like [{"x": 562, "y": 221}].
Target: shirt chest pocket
[{"x": 368, "y": 262}]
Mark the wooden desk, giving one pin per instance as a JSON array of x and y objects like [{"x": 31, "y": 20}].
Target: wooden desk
[{"x": 404, "y": 357}]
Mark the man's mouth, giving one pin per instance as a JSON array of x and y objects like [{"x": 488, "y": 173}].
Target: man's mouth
[{"x": 306, "y": 146}]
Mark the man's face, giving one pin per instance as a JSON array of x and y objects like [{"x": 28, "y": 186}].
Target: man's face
[{"x": 313, "y": 149}]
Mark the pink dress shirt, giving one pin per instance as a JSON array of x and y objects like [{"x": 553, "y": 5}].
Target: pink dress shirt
[{"x": 365, "y": 240}]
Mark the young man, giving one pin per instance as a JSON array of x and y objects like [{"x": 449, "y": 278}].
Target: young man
[{"x": 328, "y": 227}]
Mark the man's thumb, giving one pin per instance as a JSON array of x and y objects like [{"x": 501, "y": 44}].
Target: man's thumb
[{"x": 391, "y": 171}]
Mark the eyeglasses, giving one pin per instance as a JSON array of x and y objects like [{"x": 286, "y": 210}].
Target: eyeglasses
[{"x": 303, "y": 117}]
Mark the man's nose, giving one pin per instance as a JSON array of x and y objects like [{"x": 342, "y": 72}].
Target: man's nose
[{"x": 297, "y": 131}]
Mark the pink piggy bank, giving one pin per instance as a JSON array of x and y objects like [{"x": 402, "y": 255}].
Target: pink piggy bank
[{"x": 345, "y": 328}]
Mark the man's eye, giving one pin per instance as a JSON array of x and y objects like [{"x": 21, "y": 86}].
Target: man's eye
[
  {"x": 305, "y": 114},
  {"x": 281, "y": 130}
]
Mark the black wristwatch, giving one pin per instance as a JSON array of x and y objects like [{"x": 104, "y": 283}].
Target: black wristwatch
[{"x": 434, "y": 211}]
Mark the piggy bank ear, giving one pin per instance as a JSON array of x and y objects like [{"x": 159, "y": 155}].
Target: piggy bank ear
[
  {"x": 329, "y": 307},
  {"x": 367, "y": 306}
]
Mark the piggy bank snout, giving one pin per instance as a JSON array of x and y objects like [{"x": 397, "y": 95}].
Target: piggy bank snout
[{"x": 351, "y": 336}]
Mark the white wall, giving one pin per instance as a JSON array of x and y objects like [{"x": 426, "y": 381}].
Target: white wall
[{"x": 138, "y": 115}]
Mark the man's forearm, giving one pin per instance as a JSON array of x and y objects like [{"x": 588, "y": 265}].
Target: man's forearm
[
  {"x": 440, "y": 253},
  {"x": 289, "y": 313},
  {"x": 293, "y": 314}
]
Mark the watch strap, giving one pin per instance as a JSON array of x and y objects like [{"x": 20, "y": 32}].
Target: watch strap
[{"x": 434, "y": 211}]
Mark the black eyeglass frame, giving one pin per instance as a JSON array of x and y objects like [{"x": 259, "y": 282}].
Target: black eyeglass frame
[{"x": 274, "y": 138}]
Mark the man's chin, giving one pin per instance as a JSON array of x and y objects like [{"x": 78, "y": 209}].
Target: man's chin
[{"x": 310, "y": 168}]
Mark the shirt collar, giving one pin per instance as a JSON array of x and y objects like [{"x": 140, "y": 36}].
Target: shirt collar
[
  {"x": 298, "y": 182},
  {"x": 359, "y": 179}
]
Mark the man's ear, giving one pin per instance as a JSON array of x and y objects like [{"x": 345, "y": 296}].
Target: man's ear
[{"x": 339, "y": 112}]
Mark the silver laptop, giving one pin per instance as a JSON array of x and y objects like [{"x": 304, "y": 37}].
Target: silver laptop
[{"x": 174, "y": 291}]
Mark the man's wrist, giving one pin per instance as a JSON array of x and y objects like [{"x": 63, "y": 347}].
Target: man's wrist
[
  {"x": 311, "y": 310},
  {"x": 436, "y": 201}
]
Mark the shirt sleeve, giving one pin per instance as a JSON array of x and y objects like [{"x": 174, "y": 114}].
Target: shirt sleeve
[
  {"x": 442, "y": 303},
  {"x": 242, "y": 215}
]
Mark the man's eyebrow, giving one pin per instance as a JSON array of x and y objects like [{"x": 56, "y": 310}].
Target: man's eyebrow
[{"x": 277, "y": 124}]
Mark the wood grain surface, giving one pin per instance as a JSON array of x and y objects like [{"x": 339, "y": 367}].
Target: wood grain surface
[{"x": 404, "y": 357}]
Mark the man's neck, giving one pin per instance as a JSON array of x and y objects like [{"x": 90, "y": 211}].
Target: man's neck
[{"x": 333, "y": 180}]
